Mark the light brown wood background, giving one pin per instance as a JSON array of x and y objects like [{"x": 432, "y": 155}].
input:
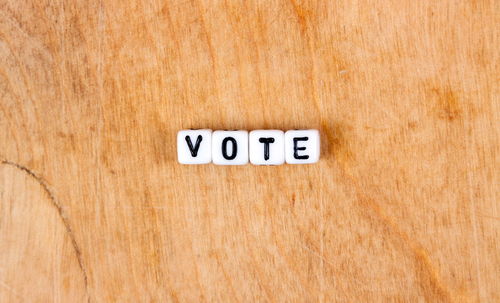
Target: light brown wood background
[{"x": 403, "y": 205}]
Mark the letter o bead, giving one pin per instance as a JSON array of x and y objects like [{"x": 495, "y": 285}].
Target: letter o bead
[
  {"x": 194, "y": 146},
  {"x": 302, "y": 146},
  {"x": 230, "y": 147}
]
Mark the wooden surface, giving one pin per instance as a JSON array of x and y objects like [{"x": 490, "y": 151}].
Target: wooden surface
[{"x": 403, "y": 205}]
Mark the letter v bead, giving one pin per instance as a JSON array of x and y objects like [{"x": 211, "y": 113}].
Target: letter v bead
[{"x": 200, "y": 152}]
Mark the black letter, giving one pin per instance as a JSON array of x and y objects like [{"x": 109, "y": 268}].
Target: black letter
[
  {"x": 266, "y": 142},
  {"x": 296, "y": 148},
  {"x": 194, "y": 150},
  {"x": 224, "y": 148}
]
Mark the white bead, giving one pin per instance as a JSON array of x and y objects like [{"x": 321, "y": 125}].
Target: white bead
[
  {"x": 230, "y": 147},
  {"x": 194, "y": 146},
  {"x": 302, "y": 146},
  {"x": 267, "y": 147}
]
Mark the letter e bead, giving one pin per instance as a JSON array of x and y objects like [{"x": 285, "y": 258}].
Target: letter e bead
[
  {"x": 194, "y": 146},
  {"x": 302, "y": 146}
]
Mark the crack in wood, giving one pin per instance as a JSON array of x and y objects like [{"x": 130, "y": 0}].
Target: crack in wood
[{"x": 61, "y": 214}]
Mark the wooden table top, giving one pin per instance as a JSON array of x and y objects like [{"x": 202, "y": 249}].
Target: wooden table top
[{"x": 403, "y": 205}]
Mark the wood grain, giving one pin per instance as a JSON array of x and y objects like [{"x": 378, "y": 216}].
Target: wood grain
[{"x": 402, "y": 207}]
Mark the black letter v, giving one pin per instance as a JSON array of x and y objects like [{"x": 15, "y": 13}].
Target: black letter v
[{"x": 194, "y": 150}]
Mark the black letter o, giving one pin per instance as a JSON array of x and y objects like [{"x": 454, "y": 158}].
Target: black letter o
[{"x": 224, "y": 148}]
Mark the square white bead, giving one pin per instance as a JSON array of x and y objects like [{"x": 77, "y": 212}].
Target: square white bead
[
  {"x": 230, "y": 147},
  {"x": 194, "y": 146},
  {"x": 302, "y": 146},
  {"x": 267, "y": 147}
]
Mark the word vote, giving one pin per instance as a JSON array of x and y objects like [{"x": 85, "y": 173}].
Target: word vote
[{"x": 237, "y": 147}]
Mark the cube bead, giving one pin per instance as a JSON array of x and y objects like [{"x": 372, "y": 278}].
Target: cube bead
[
  {"x": 302, "y": 146},
  {"x": 194, "y": 146},
  {"x": 267, "y": 147},
  {"x": 230, "y": 147}
]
